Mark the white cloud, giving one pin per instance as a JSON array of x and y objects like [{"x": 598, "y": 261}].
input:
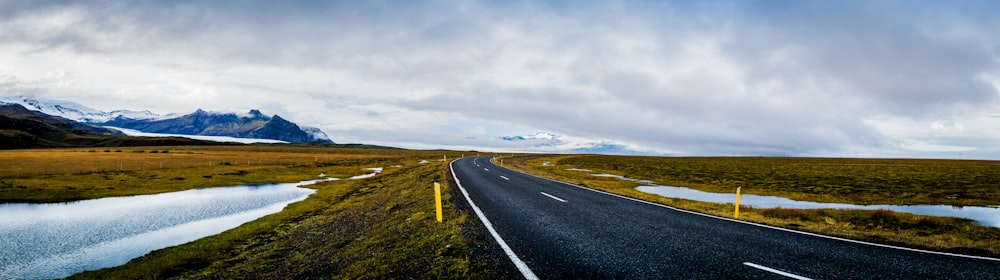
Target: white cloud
[{"x": 833, "y": 78}]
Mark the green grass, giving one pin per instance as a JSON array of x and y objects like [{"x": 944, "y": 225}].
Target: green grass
[{"x": 857, "y": 181}]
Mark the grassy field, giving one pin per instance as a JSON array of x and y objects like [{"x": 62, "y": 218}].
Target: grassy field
[
  {"x": 857, "y": 181},
  {"x": 380, "y": 227},
  {"x": 383, "y": 227},
  {"x": 75, "y": 174}
]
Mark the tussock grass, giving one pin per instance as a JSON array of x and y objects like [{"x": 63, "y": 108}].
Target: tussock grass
[{"x": 858, "y": 181}]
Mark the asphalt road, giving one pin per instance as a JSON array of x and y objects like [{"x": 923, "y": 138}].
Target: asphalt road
[{"x": 554, "y": 230}]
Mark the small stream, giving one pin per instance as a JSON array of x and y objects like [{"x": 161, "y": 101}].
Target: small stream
[
  {"x": 55, "y": 240},
  {"x": 987, "y": 216}
]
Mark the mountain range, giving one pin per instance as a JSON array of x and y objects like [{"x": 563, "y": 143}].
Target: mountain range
[
  {"x": 252, "y": 125},
  {"x": 74, "y": 111},
  {"x": 538, "y": 135},
  {"x": 24, "y": 128},
  {"x": 553, "y": 143}
]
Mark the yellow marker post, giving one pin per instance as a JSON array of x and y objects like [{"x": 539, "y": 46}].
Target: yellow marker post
[
  {"x": 501, "y": 162},
  {"x": 446, "y": 158},
  {"x": 437, "y": 200},
  {"x": 737, "y": 214}
]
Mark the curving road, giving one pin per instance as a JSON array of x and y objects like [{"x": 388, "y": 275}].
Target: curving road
[{"x": 552, "y": 230}]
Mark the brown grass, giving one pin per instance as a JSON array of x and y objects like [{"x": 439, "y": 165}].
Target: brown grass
[
  {"x": 57, "y": 175},
  {"x": 25, "y": 163}
]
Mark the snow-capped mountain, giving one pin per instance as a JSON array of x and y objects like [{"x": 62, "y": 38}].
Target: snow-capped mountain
[
  {"x": 75, "y": 111},
  {"x": 316, "y": 133},
  {"x": 552, "y": 143},
  {"x": 25, "y": 128},
  {"x": 133, "y": 132},
  {"x": 538, "y": 135},
  {"x": 253, "y": 124}
]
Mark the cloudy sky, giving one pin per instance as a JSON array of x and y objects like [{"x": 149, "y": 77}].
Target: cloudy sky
[{"x": 797, "y": 78}]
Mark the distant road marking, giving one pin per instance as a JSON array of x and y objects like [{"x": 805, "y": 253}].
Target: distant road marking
[
  {"x": 775, "y": 271},
  {"x": 521, "y": 266},
  {"x": 553, "y": 197},
  {"x": 487, "y": 169},
  {"x": 505, "y": 178}
]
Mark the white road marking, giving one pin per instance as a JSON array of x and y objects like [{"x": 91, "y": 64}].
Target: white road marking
[
  {"x": 775, "y": 271},
  {"x": 521, "y": 266},
  {"x": 765, "y": 226},
  {"x": 487, "y": 169},
  {"x": 553, "y": 197},
  {"x": 505, "y": 178}
]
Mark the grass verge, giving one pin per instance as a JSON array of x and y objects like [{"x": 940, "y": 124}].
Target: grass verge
[{"x": 382, "y": 227}]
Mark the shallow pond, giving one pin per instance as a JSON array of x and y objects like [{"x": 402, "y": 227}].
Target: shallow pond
[
  {"x": 54, "y": 240},
  {"x": 987, "y": 216}
]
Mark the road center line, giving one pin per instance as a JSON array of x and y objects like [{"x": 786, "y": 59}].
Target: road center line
[
  {"x": 505, "y": 178},
  {"x": 553, "y": 197},
  {"x": 487, "y": 169},
  {"x": 775, "y": 271}
]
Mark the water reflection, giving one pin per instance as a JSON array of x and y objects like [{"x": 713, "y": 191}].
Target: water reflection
[
  {"x": 56, "y": 240},
  {"x": 987, "y": 216}
]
